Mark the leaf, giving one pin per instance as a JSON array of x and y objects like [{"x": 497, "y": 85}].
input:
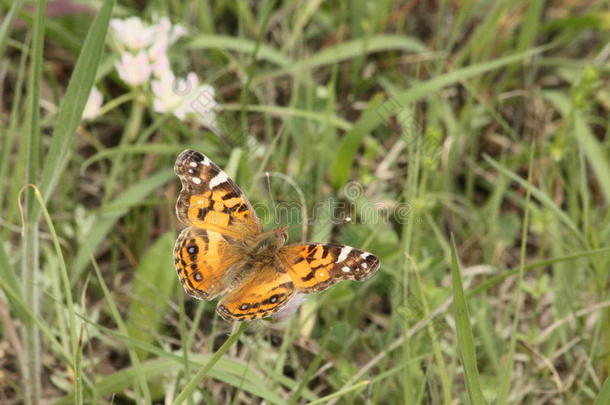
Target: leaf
[
  {"x": 152, "y": 288},
  {"x": 464, "y": 332}
]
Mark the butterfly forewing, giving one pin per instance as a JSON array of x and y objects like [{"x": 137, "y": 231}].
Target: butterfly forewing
[{"x": 211, "y": 200}]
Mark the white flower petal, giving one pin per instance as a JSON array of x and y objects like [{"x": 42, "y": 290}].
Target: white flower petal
[
  {"x": 94, "y": 104},
  {"x": 132, "y": 33},
  {"x": 161, "y": 66},
  {"x": 178, "y": 32},
  {"x": 134, "y": 70},
  {"x": 185, "y": 98}
]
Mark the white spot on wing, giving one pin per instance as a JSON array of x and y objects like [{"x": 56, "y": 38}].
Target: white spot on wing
[
  {"x": 365, "y": 255},
  {"x": 344, "y": 252},
  {"x": 364, "y": 265},
  {"x": 193, "y": 164},
  {"x": 205, "y": 161},
  {"x": 196, "y": 180},
  {"x": 345, "y": 269},
  {"x": 220, "y": 178}
]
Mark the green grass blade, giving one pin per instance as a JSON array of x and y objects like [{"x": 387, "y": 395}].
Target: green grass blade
[
  {"x": 8, "y": 138},
  {"x": 6, "y": 25},
  {"x": 368, "y": 122},
  {"x": 348, "y": 147},
  {"x": 9, "y": 278},
  {"x": 464, "y": 332},
  {"x": 104, "y": 222},
  {"x": 348, "y": 50},
  {"x": 358, "y": 386},
  {"x": 292, "y": 112},
  {"x": 495, "y": 280},
  {"x": 74, "y": 100},
  {"x": 538, "y": 194},
  {"x": 21, "y": 307},
  {"x": 75, "y": 363},
  {"x": 144, "y": 149},
  {"x": 306, "y": 378},
  {"x": 30, "y": 260},
  {"x": 53, "y": 29},
  {"x": 142, "y": 391},
  {"x": 594, "y": 152},
  {"x": 242, "y": 45},
  {"x": 507, "y": 375},
  {"x": 603, "y": 397},
  {"x": 227, "y": 371},
  {"x": 196, "y": 379}
]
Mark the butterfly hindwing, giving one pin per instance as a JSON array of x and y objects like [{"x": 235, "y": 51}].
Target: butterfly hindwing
[
  {"x": 202, "y": 259},
  {"x": 211, "y": 200},
  {"x": 266, "y": 290},
  {"x": 316, "y": 266}
]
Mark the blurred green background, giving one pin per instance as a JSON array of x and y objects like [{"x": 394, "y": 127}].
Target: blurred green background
[{"x": 467, "y": 142}]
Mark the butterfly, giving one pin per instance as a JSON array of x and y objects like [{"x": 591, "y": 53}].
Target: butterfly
[{"x": 224, "y": 251}]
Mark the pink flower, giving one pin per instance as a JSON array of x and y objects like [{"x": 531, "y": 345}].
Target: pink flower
[
  {"x": 132, "y": 33},
  {"x": 172, "y": 32},
  {"x": 167, "y": 99},
  {"x": 94, "y": 104},
  {"x": 185, "y": 98},
  {"x": 161, "y": 66},
  {"x": 165, "y": 35},
  {"x": 134, "y": 70}
]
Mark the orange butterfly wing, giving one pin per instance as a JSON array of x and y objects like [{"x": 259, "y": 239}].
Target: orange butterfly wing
[
  {"x": 314, "y": 267},
  {"x": 211, "y": 254},
  {"x": 266, "y": 290},
  {"x": 211, "y": 200},
  {"x": 202, "y": 259},
  {"x": 220, "y": 220}
]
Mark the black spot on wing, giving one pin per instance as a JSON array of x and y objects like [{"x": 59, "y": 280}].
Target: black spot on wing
[{"x": 230, "y": 195}]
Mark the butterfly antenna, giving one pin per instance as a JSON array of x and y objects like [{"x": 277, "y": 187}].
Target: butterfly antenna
[{"x": 295, "y": 186}]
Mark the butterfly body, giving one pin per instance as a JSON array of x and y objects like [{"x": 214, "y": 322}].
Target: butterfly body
[
  {"x": 258, "y": 254},
  {"x": 268, "y": 244},
  {"x": 223, "y": 250}
]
